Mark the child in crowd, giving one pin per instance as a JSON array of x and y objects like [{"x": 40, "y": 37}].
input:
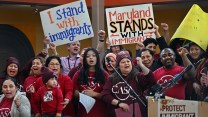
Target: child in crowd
[{"x": 49, "y": 97}]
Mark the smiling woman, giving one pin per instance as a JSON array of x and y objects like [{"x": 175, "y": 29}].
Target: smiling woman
[
  {"x": 115, "y": 91},
  {"x": 12, "y": 102}
]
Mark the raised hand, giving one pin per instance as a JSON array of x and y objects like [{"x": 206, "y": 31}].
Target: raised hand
[
  {"x": 139, "y": 61},
  {"x": 164, "y": 26},
  {"x": 182, "y": 51},
  {"x": 156, "y": 27},
  {"x": 139, "y": 46},
  {"x": 101, "y": 34}
]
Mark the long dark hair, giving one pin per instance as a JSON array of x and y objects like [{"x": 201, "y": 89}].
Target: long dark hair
[{"x": 99, "y": 73}]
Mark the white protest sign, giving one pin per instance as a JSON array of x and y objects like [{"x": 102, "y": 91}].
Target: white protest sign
[
  {"x": 177, "y": 108},
  {"x": 130, "y": 24},
  {"x": 67, "y": 23}
]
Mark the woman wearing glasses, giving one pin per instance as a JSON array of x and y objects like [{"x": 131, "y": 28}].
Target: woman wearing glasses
[{"x": 64, "y": 82}]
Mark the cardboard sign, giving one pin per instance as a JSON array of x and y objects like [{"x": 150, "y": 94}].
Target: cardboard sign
[
  {"x": 177, "y": 108},
  {"x": 194, "y": 27},
  {"x": 130, "y": 24},
  {"x": 67, "y": 23}
]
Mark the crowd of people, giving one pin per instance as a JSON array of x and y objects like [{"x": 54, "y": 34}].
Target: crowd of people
[{"x": 50, "y": 86}]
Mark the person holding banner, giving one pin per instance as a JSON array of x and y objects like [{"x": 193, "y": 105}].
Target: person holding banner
[
  {"x": 70, "y": 61},
  {"x": 89, "y": 80},
  {"x": 196, "y": 55},
  {"x": 73, "y": 59},
  {"x": 117, "y": 94},
  {"x": 170, "y": 69}
]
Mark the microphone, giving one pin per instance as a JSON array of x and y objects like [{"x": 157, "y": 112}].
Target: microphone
[
  {"x": 108, "y": 60},
  {"x": 170, "y": 83},
  {"x": 152, "y": 90},
  {"x": 178, "y": 77}
]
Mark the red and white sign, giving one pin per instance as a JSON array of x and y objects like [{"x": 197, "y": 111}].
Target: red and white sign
[{"x": 130, "y": 24}]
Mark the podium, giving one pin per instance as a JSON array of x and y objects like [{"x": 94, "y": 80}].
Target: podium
[{"x": 177, "y": 108}]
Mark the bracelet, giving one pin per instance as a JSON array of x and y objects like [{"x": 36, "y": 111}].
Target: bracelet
[{"x": 118, "y": 103}]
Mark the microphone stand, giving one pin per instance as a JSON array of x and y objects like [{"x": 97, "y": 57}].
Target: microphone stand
[
  {"x": 171, "y": 83},
  {"x": 158, "y": 94},
  {"x": 134, "y": 93}
]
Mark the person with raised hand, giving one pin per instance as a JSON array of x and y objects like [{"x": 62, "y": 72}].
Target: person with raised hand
[{"x": 115, "y": 91}]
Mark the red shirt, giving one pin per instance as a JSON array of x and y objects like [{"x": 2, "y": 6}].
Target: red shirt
[
  {"x": 5, "y": 107},
  {"x": 99, "y": 109},
  {"x": 49, "y": 100},
  {"x": 162, "y": 75},
  {"x": 30, "y": 82},
  {"x": 66, "y": 86}
]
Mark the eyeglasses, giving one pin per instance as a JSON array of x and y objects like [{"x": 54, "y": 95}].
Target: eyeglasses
[{"x": 54, "y": 64}]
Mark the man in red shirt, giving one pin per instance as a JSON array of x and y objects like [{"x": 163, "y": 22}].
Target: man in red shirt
[{"x": 170, "y": 69}]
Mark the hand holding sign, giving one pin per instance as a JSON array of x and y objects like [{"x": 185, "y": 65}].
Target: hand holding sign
[{"x": 156, "y": 27}]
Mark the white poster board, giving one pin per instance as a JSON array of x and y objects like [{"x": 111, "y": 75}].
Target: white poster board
[
  {"x": 67, "y": 23},
  {"x": 130, "y": 24}
]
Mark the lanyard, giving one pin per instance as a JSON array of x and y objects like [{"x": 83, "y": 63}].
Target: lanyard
[{"x": 74, "y": 63}]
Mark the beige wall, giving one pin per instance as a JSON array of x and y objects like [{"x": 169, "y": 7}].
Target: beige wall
[{"x": 29, "y": 23}]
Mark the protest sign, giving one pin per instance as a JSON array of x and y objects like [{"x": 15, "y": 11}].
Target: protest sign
[
  {"x": 67, "y": 23},
  {"x": 194, "y": 27},
  {"x": 130, "y": 24}
]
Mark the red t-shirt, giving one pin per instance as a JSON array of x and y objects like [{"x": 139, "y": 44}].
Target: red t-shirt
[
  {"x": 50, "y": 100},
  {"x": 66, "y": 86},
  {"x": 5, "y": 107},
  {"x": 162, "y": 75},
  {"x": 99, "y": 109}
]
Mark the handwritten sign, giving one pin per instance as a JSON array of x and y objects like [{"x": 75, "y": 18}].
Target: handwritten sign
[
  {"x": 194, "y": 27},
  {"x": 67, "y": 23},
  {"x": 130, "y": 24},
  {"x": 177, "y": 108}
]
